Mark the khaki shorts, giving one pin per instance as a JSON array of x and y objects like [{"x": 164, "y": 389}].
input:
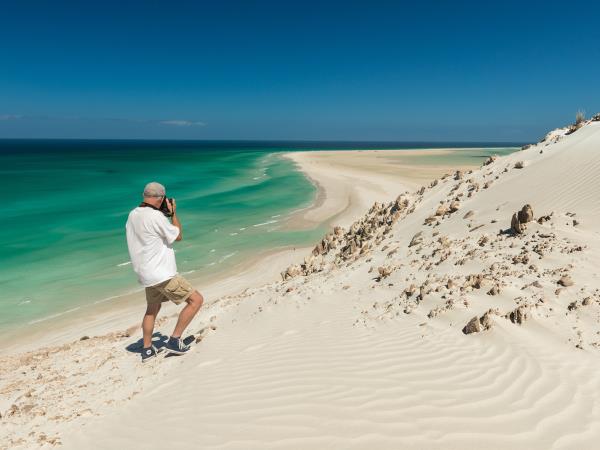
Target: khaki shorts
[{"x": 177, "y": 290}]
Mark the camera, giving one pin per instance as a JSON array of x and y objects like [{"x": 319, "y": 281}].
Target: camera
[{"x": 164, "y": 207}]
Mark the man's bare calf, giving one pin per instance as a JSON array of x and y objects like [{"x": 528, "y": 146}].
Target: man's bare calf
[{"x": 194, "y": 303}]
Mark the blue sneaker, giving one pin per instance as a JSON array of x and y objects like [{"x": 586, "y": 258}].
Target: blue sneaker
[
  {"x": 149, "y": 353},
  {"x": 177, "y": 346}
]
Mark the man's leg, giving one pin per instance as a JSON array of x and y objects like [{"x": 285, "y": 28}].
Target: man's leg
[
  {"x": 194, "y": 302},
  {"x": 148, "y": 322}
]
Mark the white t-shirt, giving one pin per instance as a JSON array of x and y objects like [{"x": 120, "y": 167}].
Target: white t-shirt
[{"x": 150, "y": 238}]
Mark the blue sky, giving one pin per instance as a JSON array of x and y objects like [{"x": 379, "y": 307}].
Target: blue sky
[{"x": 474, "y": 71}]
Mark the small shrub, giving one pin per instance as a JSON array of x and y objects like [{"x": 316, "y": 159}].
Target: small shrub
[{"x": 579, "y": 121}]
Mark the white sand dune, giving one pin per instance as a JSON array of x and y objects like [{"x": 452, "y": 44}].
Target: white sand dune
[
  {"x": 344, "y": 355},
  {"x": 292, "y": 379}
]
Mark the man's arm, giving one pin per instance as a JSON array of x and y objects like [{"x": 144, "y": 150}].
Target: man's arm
[{"x": 175, "y": 220}]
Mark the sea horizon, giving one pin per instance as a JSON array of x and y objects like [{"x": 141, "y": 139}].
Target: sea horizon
[{"x": 310, "y": 144}]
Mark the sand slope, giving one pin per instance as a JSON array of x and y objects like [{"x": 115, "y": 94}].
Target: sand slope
[{"x": 362, "y": 346}]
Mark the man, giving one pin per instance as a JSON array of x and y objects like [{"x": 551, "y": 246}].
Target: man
[{"x": 150, "y": 238}]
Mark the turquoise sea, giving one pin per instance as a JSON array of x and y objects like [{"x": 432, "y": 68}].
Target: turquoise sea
[{"x": 65, "y": 203}]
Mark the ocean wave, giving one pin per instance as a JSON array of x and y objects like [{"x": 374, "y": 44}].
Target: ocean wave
[
  {"x": 53, "y": 316},
  {"x": 227, "y": 257},
  {"x": 113, "y": 297},
  {"x": 269, "y": 222},
  {"x": 124, "y": 264},
  {"x": 233, "y": 234}
]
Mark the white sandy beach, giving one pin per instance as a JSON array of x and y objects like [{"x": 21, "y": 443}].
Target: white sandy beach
[{"x": 363, "y": 345}]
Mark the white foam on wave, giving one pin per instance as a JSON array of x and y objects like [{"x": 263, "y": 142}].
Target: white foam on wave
[
  {"x": 227, "y": 257},
  {"x": 269, "y": 222},
  {"x": 53, "y": 316},
  {"x": 113, "y": 297},
  {"x": 124, "y": 264},
  {"x": 233, "y": 234}
]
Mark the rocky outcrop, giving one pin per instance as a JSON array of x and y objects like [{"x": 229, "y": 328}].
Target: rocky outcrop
[{"x": 339, "y": 245}]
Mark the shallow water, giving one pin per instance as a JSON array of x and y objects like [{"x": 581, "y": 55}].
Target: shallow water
[{"x": 65, "y": 204}]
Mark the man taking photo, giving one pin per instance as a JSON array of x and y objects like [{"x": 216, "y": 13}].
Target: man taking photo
[{"x": 150, "y": 238}]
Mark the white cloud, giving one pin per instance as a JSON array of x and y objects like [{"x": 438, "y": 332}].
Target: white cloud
[
  {"x": 10, "y": 117},
  {"x": 182, "y": 123}
]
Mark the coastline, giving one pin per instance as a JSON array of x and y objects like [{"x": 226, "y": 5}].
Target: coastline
[
  {"x": 339, "y": 342},
  {"x": 347, "y": 182}
]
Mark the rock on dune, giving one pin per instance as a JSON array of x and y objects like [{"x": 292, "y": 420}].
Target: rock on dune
[
  {"x": 477, "y": 324},
  {"x": 441, "y": 210},
  {"x": 520, "y": 218},
  {"x": 490, "y": 160},
  {"x": 473, "y": 326},
  {"x": 515, "y": 225},
  {"x": 566, "y": 281},
  {"x": 526, "y": 214},
  {"x": 519, "y": 315},
  {"x": 495, "y": 290},
  {"x": 417, "y": 239},
  {"x": 384, "y": 271}
]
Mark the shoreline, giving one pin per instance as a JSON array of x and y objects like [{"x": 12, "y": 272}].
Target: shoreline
[{"x": 347, "y": 183}]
